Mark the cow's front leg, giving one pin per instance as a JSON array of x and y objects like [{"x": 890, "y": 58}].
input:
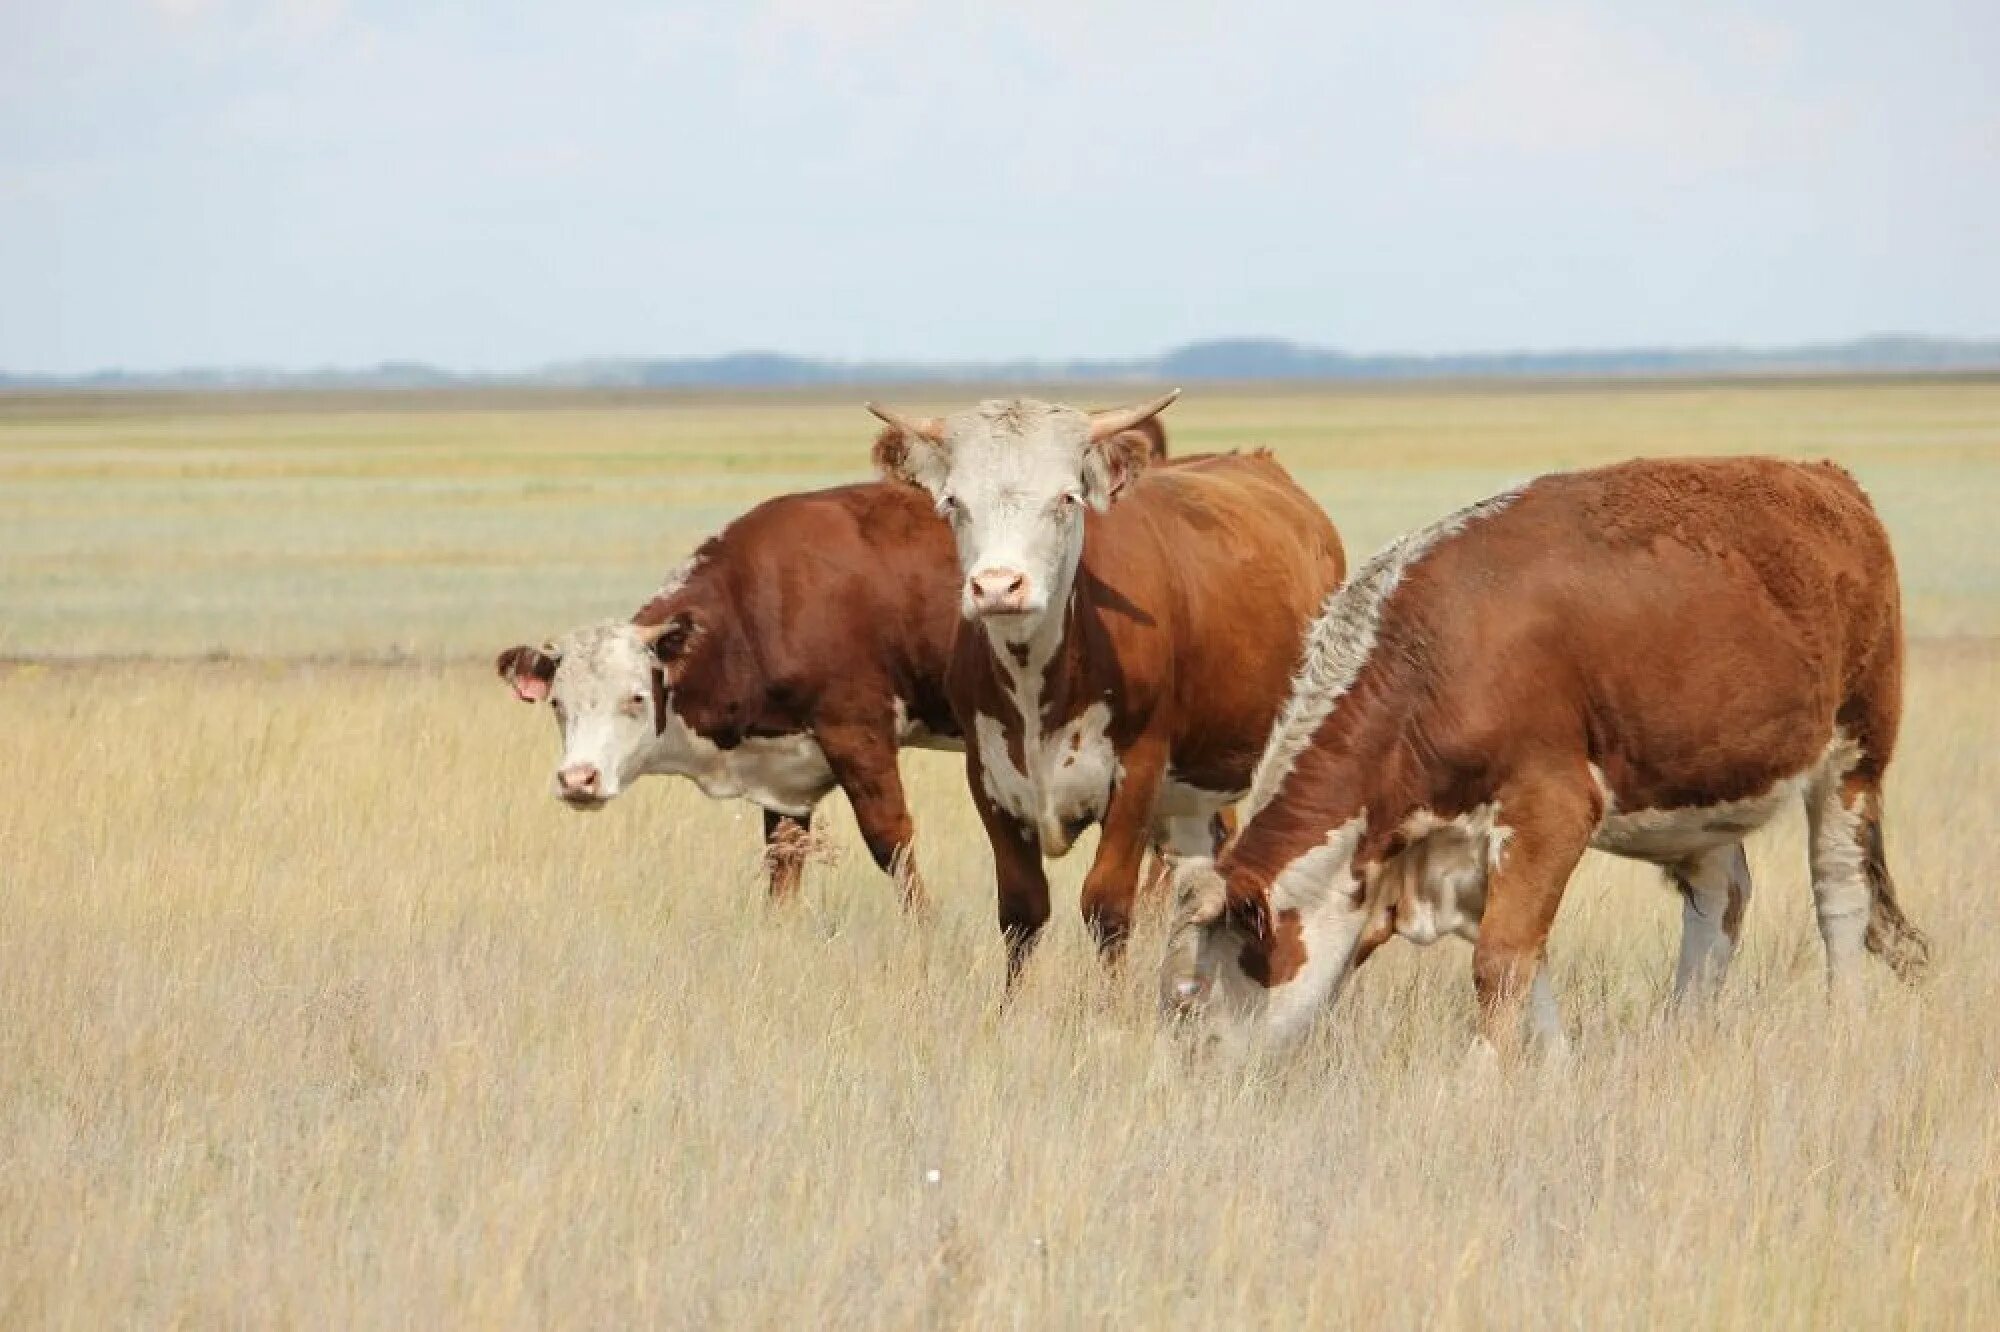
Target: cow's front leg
[
  {"x": 1113, "y": 881},
  {"x": 1019, "y": 880},
  {"x": 787, "y": 843},
  {"x": 863, "y": 760},
  {"x": 1549, "y": 821}
]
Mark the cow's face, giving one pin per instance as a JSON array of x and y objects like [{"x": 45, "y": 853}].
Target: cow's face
[
  {"x": 1013, "y": 479},
  {"x": 1248, "y": 971},
  {"x": 606, "y": 687}
]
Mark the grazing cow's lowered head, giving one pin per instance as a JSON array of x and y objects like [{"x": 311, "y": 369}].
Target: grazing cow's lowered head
[
  {"x": 1255, "y": 967},
  {"x": 607, "y": 685},
  {"x": 1012, "y": 478}
]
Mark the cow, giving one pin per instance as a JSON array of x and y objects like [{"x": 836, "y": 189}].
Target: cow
[
  {"x": 1128, "y": 635},
  {"x": 796, "y": 651},
  {"x": 1651, "y": 659}
]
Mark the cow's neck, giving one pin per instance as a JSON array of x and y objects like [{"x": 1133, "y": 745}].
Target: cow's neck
[
  {"x": 1362, "y": 769},
  {"x": 1039, "y": 661}
]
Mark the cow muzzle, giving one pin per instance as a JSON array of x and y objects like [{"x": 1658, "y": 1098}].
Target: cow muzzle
[
  {"x": 999, "y": 591},
  {"x": 581, "y": 786}
]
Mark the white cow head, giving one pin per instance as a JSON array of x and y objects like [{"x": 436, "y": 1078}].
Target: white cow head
[
  {"x": 1013, "y": 478},
  {"x": 1249, "y": 970},
  {"x": 607, "y": 687}
]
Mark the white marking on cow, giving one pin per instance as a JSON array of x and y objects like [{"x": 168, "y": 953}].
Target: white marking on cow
[
  {"x": 1842, "y": 898},
  {"x": 1340, "y": 640},
  {"x": 1319, "y": 886},
  {"x": 1437, "y": 885},
  {"x": 1066, "y": 779},
  {"x": 787, "y": 773},
  {"x": 1714, "y": 886}
]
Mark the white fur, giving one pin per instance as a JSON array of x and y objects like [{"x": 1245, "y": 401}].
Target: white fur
[
  {"x": 1842, "y": 898},
  {"x": 1068, "y": 774},
  {"x": 1670, "y": 836},
  {"x": 1013, "y": 479},
  {"x": 1339, "y": 642},
  {"x": 1707, "y": 884}
]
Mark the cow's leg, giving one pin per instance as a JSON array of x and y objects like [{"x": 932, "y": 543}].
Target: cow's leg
[
  {"x": 1715, "y": 890},
  {"x": 787, "y": 842},
  {"x": 1113, "y": 880},
  {"x": 863, "y": 760},
  {"x": 1020, "y": 883},
  {"x": 1853, "y": 894},
  {"x": 1549, "y": 822}
]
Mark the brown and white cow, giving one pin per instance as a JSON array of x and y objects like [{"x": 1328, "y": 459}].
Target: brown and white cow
[
  {"x": 795, "y": 652},
  {"x": 1651, "y": 659},
  {"x": 1129, "y": 635}
]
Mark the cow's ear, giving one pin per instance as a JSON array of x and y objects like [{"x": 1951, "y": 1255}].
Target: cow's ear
[
  {"x": 528, "y": 670},
  {"x": 1122, "y": 441},
  {"x": 669, "y": 638},
  {"x": 910, "y": 450},
  {"x": 1112, "y": 465}
]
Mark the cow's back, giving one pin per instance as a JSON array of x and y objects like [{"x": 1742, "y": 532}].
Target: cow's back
[
  {"x": 1678, "y": 618},
  {"x": 848, "y": 588}
]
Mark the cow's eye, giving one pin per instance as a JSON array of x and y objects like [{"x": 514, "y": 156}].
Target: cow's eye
[
  {"x": 1069, "y": 499},
  {"x": 639, "y": 700},
  {"x": 948, "y": 507}
]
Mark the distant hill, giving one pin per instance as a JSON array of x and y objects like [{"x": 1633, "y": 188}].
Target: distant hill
[{"x": 1233, "y": 359}]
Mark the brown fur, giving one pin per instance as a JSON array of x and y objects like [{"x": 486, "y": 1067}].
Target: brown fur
[
  {"x": 1697, "y": 629},
  {"x": 815, "y": 613},
  {"x": 1186, "y": 616}
]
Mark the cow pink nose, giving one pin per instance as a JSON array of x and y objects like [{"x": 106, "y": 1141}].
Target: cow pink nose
[
  {"x": 999, "y": 590},
  {"x": 579, "y": 779}
]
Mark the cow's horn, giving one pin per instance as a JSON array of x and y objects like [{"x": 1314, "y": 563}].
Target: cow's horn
[
  {"x": 926, "y": 427},
  {"x": 1105, "y": 424}
]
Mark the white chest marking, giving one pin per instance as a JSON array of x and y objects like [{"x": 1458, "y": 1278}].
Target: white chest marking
[{"x": 1064, "y": 780}]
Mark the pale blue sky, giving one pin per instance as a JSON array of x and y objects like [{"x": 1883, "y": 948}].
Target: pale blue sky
[{"x": 491, "y": 186}]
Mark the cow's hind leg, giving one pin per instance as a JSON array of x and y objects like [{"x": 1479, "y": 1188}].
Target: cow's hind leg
[
  {"x": 1853, "y": 894},
  {"x": 787, "y": 844},
  {"x": 1715, "y": 891}
]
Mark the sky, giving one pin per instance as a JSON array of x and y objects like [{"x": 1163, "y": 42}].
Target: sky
[{"x": 495, "y": 186}]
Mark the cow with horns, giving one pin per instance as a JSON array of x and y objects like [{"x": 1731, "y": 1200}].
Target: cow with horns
[{"x": 1129, "y": 635}]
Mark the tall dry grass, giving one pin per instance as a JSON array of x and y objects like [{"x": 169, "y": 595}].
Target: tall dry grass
[{"x": 315, "y": 1010}]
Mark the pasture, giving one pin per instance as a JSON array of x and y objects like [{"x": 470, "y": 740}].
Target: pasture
[{"x": 315, "y": 1009}]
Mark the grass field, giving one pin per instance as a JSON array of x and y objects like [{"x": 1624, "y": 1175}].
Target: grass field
[{"x": 315, "y": 1010}]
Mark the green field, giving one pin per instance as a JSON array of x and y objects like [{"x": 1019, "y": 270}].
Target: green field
[{"x": 315, "y": 1010}]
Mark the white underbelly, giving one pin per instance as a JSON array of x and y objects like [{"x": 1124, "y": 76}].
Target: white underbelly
[
  {"x": 1667, "y": 836},
  {"x": 786, "y": 773}
]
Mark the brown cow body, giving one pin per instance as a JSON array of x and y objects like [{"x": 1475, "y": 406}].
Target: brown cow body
[
  {"x": 1137, "y": 691},
  {"x": 796, "y": 651},
  {"x": 1650, "y": 659}
]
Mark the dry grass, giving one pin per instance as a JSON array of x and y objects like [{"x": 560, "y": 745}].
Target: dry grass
[{"x": 315, "y": 1010}]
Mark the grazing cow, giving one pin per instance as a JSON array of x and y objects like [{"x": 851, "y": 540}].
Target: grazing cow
[
  {"x": 1650, "y": 659},
  {"x": 795, "y": 652},
  {"x": 1129, "y": 635}
]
